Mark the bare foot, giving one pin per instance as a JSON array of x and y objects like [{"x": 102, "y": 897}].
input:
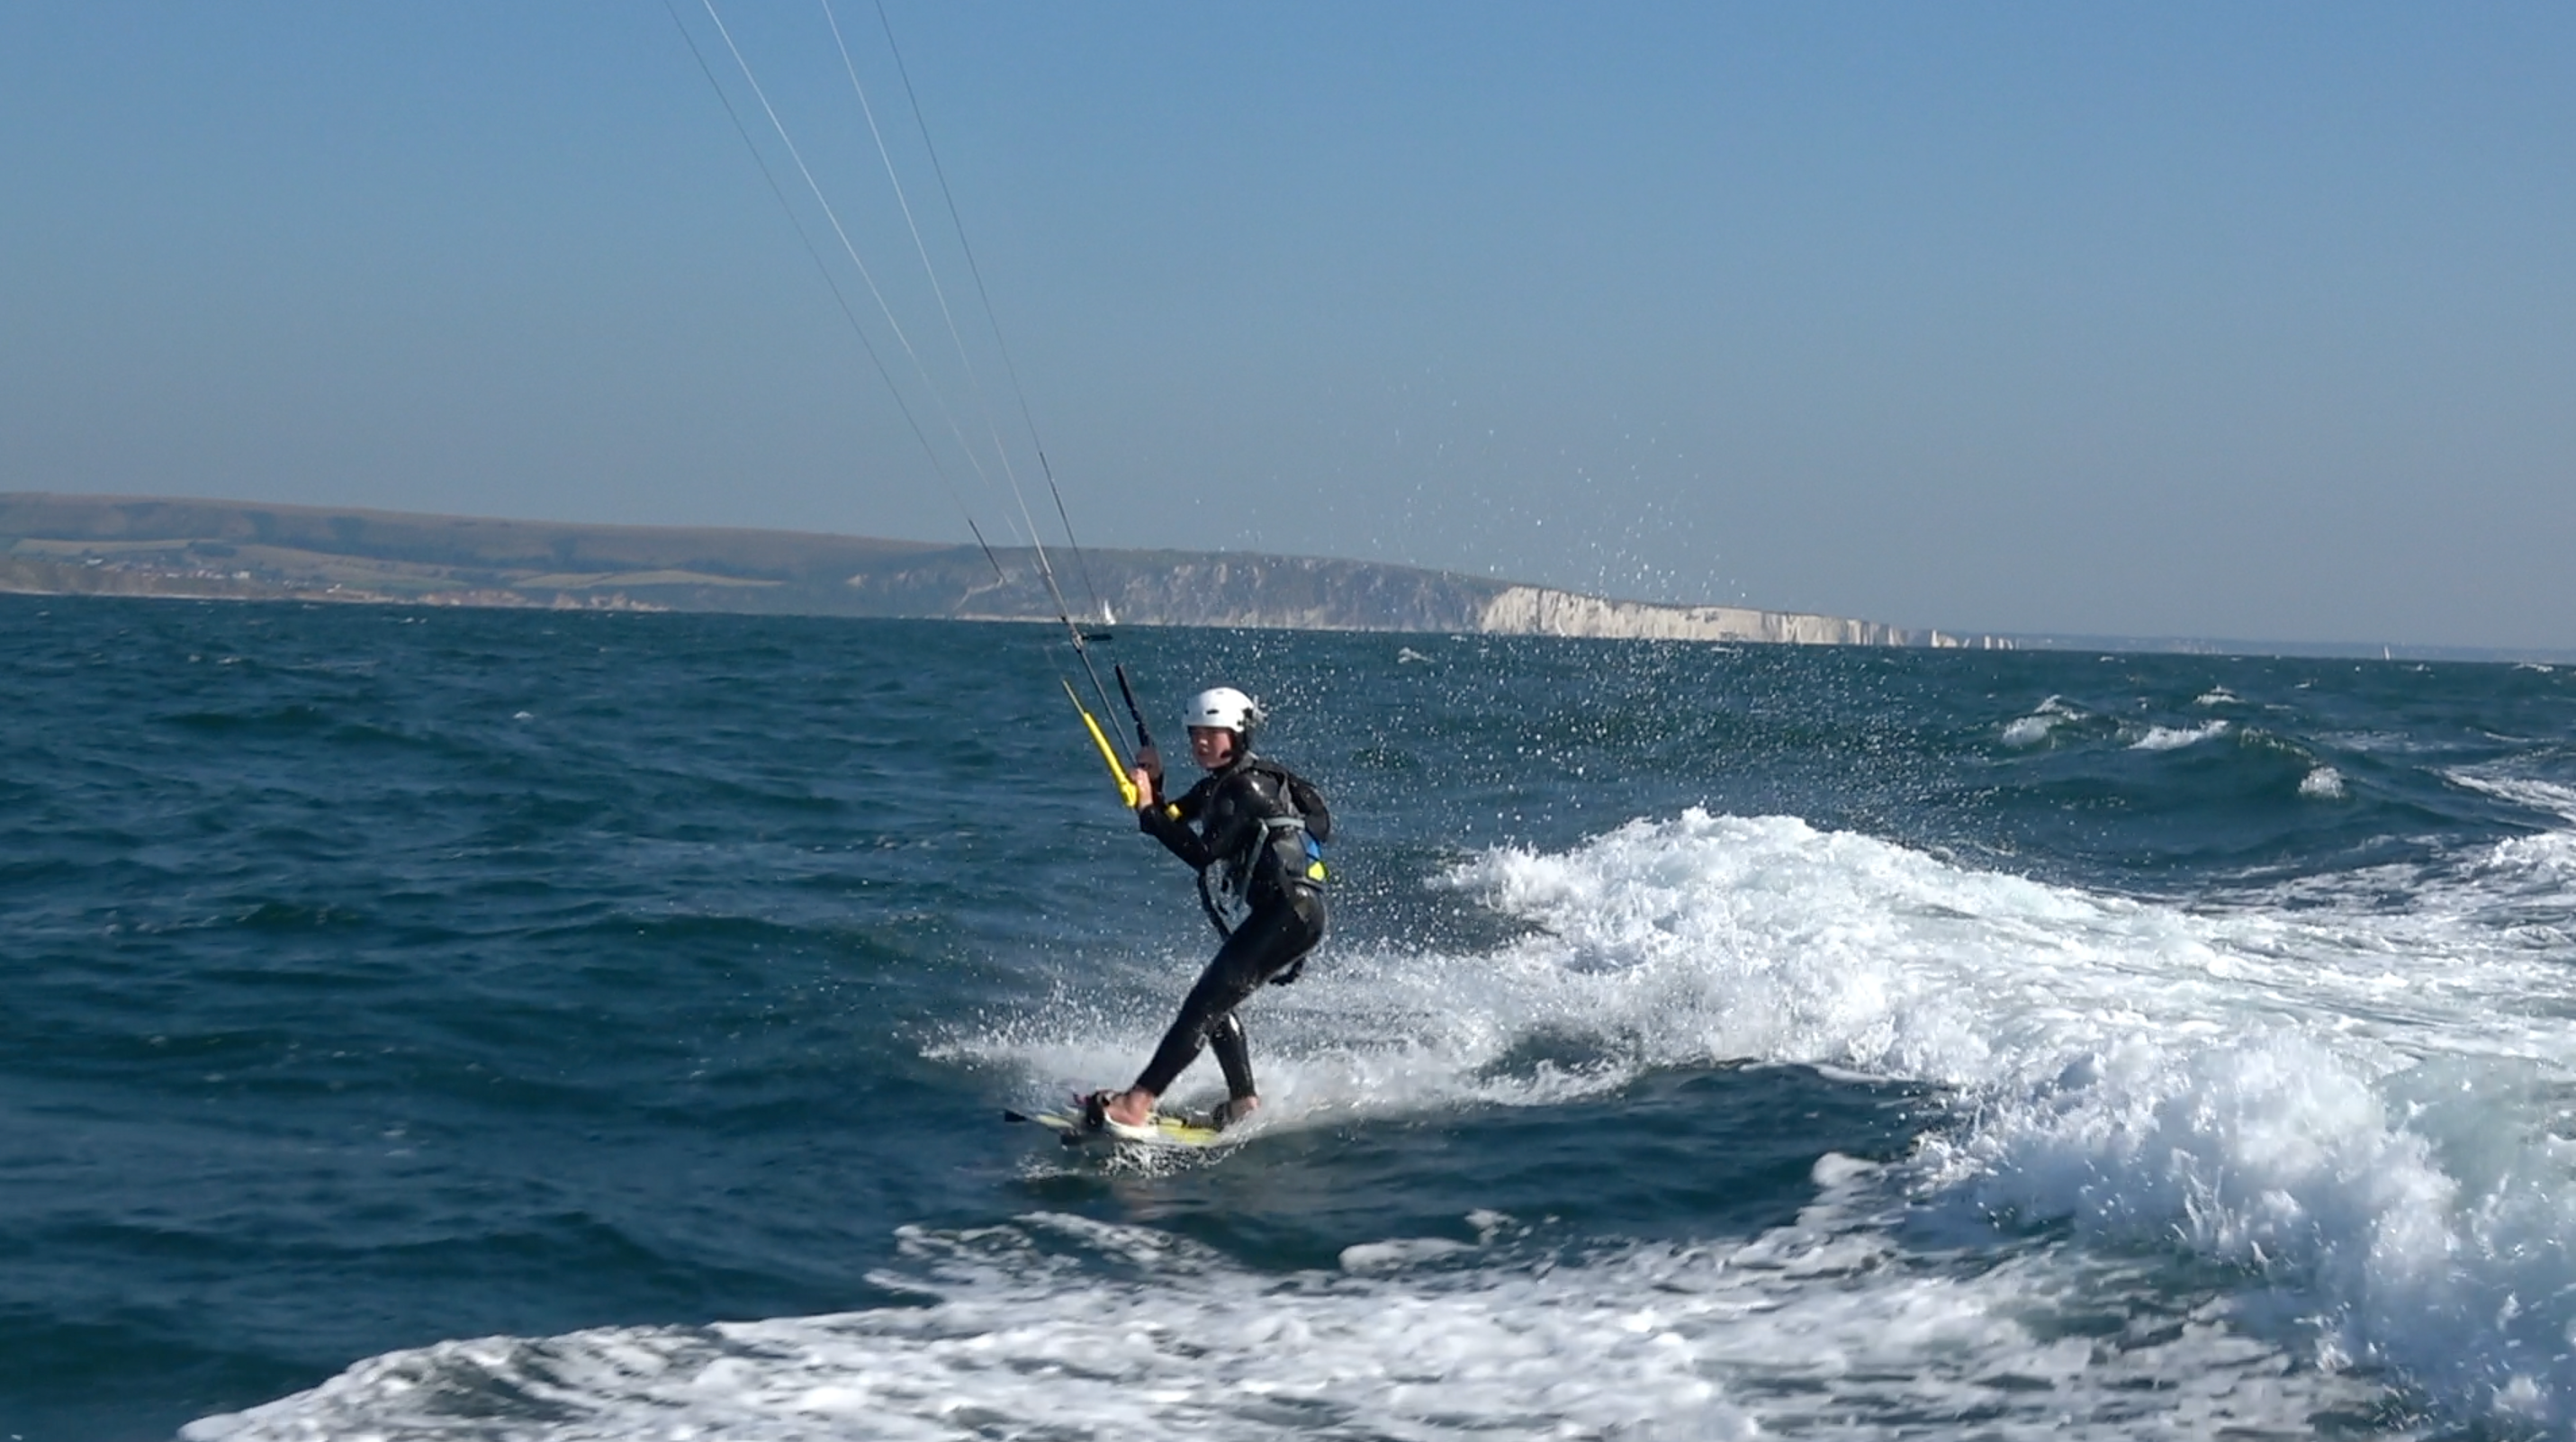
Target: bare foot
[
  {"x": 1235, "y": 1110},
  {"x": 1131, "y": 1108}
]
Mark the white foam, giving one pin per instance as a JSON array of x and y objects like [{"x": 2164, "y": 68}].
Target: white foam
[
  {"x": 2028, "y": 730},
  {"x": 2253, "y": 1085},
  {"x": 2545, "y": 864},
  {"x": 2174, "y": 738},
  {"x": 1058, "y": 1326},
  {"x": 2549, "y": 796},
  {"x": 2322, "y": 783},
  {"x": 2251, "y": 1082},
  {"x": 2355, "y": 1122},
  {"x": 2032, "y": 729}
]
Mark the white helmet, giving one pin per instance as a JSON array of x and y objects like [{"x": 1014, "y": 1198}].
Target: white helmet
[{"x": 1226, "y": 709}]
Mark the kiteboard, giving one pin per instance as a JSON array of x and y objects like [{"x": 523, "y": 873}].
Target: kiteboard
[{"x": 1164, "y": 1130}]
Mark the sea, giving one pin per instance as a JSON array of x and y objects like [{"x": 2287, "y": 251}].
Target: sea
[{"x": 423, "y": 1025}]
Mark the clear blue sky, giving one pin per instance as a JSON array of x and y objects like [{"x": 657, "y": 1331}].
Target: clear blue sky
[{"x": 2235, "y": 320}]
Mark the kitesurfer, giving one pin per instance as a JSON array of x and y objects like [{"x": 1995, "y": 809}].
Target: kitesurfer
[{"x": 1260, "y": 828}]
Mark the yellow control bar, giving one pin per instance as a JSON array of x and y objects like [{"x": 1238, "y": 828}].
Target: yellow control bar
[{"x": 1108, "y": 753}]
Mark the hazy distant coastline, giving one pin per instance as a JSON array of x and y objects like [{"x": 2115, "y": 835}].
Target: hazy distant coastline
[
  {"x": 64, "y": 544},
  {"x": 142, "y": 546}
]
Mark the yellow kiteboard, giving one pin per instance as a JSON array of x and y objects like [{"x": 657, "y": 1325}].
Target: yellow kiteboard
[{"x": 1165, "y": 1130}]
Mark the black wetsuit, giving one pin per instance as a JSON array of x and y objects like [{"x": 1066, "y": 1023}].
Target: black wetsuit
[{"x": 1258, "y": 823}]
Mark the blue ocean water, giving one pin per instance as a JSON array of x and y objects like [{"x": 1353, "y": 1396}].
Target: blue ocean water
[{"x": 553, "y": 1025}]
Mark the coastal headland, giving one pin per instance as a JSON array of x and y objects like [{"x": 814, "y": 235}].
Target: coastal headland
[{"x": 141, "y": 546}]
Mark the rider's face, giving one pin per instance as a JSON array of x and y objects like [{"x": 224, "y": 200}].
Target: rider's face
[{"x": 1211, "y": 746}]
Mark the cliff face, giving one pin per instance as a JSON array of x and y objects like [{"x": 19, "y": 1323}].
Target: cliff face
[
  {"x": 218, "y": 548},
  {"x": 1536, "y": 611}
]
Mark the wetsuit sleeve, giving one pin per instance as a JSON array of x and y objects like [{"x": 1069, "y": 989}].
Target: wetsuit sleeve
[{"x": 1169, "y": 824}]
